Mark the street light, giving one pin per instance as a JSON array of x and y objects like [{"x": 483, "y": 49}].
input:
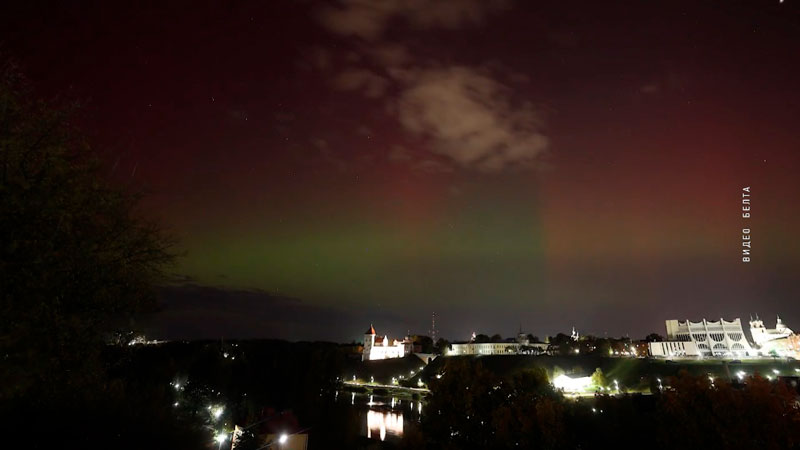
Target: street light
[
  {"x": 220, "y": 438},
  {"x": 284, "y": 437},
  {"x": 216, "y": 412}
]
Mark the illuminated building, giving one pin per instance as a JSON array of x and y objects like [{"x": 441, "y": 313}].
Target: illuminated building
[
  {"x": 724, "y": 339},
  {"x": 377, "y": 347},
  {"x": 520, "y": 345},
  {"x": 484, "y": 348},
  {"x": 673, "y": 349},
  {"x": 778, "y": 341},
  {"x": 762, "y": 335},
  {"x": 569, "y": 384},
  {"x": 718, "y": 339}
]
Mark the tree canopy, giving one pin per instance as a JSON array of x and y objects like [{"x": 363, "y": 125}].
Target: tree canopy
[{"x": 74, "y": 255}]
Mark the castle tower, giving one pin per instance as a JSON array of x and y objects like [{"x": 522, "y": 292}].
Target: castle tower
[
  {"x": 369, "y": 342},
  {"x": 758, "y": 332}
]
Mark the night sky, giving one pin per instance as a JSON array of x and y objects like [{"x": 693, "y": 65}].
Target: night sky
[{"x": 504, "y": 164}]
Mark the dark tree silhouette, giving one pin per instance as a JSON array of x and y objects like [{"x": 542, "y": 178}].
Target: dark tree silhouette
[
  {"x": 442, "y": 345},
  {"x": 482, "y": 338},
  {"x": 74, "y": 253},
  {"x": 654, "y": 337}
]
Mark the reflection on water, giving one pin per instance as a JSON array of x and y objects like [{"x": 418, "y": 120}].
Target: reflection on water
[
  {"x": 385, "y": 418},
  {"x": 379, "y": 423}
]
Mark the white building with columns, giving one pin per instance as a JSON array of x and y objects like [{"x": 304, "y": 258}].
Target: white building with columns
[
  {"x": 724, "y": 339},
  {"x": 706, "y": 338}
]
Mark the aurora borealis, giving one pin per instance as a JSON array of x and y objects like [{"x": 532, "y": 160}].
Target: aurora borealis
[{"x": 500, "y": 163}]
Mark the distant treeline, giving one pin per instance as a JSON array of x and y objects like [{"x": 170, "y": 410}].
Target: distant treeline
[{"x": 473, "y": 407}]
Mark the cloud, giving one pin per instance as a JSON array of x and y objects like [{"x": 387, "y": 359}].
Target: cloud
[
  {"x": 463, "y": 115},
  {"x": 369, "y": 19},
  {"x": 192, "y": 311},
  {"x": 468, "y": 117},
  {"x": 371, "y": 84},
  {"x": 389, "y": 55}
]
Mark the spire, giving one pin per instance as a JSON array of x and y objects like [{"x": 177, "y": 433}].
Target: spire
[{"x": 371, "y": 330}]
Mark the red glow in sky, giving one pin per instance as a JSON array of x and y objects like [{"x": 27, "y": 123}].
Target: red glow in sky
[{"x": 498, "y": 162}]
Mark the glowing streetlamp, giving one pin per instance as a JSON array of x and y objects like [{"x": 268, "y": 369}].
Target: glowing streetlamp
[
  {"x": 284, "y": 437},
  {"x": 216, "y": 412},
  {"x": 220, "y": 438}
]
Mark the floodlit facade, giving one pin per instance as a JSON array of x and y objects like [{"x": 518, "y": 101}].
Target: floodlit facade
[
  {"x": 762, "y": 335},
  {"x": 569, "y": 384},
  {"x": 521, "y": 345},
  {"x": 484, "y": 348},
  {"x": 713, "y": 338},
  {"x": 671, "y": 349},
  {"x": 724, "y": 339},
  {"x": 778, "y": 341},
  {"x": 377, "y": 347}
]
